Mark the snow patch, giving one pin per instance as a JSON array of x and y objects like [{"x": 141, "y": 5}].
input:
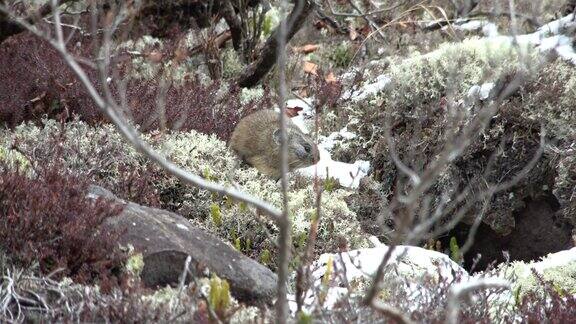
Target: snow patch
[
  {"x": 363, "y": 263},
  {"x": 372, "y": 88},
  {"x": 489, "y": 29},
  {"x": 480, "y": 92},
  {"x": 347, "y": 174},
  {"x": 548, "y": 38},
  {"x": 412, "y": 263},
  {"x": 307, "y": 112},
  {"x": 557, "y": 259}
]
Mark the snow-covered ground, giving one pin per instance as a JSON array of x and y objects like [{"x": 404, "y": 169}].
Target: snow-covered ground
[
  {"x": 347, "y": 174},
  {"x": 548, "y": 37},
  {"x": 412, "y": 264}
]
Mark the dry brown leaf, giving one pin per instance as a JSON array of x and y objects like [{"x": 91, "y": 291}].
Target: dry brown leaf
[
  {"x": 319, "y": 24},
  {"x": 308, "y": 48},
  {"x": 310, "y": 68},
  {"x": 330, "y": 78},
  {"x": 302, "y": 92},
  {"x": 293, "y": 111}
]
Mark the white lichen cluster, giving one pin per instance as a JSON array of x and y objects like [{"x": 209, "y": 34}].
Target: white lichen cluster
[
  {"x": 142, "y": 68},
  {"x": 148, "y": 61},
  {"x": 553, "y": 103},
  {"x": 454, "y": 67},
  {"x": 231, "y": 64},
  {"x": 557, "y": 269},
  {"x": 250, "y": 94}
]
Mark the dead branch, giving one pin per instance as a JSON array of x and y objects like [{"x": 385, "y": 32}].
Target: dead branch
[
  {"x": 270, "y": 52},
  {"x": 9, "y": 28}
]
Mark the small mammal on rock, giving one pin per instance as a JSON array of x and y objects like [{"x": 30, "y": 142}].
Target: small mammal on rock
[{"x": 256, "y": 140}]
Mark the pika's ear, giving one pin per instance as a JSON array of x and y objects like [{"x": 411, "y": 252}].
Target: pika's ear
[{"x": 276, "y": 136}]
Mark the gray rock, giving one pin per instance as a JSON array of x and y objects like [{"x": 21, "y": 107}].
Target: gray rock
[{"x": 166, "y": 239}]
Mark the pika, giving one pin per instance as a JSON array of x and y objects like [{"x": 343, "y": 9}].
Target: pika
[{"x": 256, "y": 140}]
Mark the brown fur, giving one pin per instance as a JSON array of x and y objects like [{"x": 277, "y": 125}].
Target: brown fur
[{"x": 255, "y": 142}]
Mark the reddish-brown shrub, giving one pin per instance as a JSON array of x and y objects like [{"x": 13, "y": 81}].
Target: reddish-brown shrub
[
  {"x": 38, "y": 83},
  {"x": 558, "y": 306},
  {"x": 49, "y": 219},
  {"x": 327, "y": 92}
]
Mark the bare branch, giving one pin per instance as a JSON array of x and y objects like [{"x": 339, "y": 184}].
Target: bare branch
[
  {"x": 284, "y": 238},
  {"x": 269, "y": 53}
]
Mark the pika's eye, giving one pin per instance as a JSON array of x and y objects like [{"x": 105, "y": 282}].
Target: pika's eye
[{"x": 307, "y": 147}]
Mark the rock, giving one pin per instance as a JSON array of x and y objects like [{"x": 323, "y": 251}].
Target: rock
[{"x": 166, "y": 239}]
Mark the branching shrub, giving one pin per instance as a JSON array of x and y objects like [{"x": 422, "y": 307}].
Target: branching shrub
[
  {"x": 556, "y": 306},
  {"x": 49, "y": 220}
]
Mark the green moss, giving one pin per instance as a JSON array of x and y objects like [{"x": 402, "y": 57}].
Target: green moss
[
  {"x": 265, "y": 257},
  {"x": 455, "y": 254},
  {"x": 135, "y": 264},
  {"x": 219, "y": 295},
  {"x": 271, "y": 20},
  {"x": 341, "y": 55},
  {"x": 216, "y": 215}
]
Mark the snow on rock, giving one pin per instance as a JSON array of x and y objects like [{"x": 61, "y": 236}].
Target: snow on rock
[
  {"x": 549, "y": 37},
  {"x": 556, "y": 26},
  {"x": 337, "y": 276},
  {"x": 347, "y": 174},
  {"x": 370, "y": 89},
  {"x": 410, "y": 260},
  {"x": 412, "y": 268},
  {"x": 489, "y": 29},
  {"x": 557, "y": 259},
  {"x": 551, "y": 262},
  {"x": 480, "y": 92},
  {"x": 306, "y": 114}
]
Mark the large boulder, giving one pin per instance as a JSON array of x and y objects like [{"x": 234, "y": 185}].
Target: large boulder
[{"x": 166, "y": 239}]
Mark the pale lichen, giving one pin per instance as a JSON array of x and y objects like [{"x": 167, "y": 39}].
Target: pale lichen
[
  {"x": 231, "y": 64},
  {"x": 453, "y": 67},
  {"x": 560, "y": 275}
]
